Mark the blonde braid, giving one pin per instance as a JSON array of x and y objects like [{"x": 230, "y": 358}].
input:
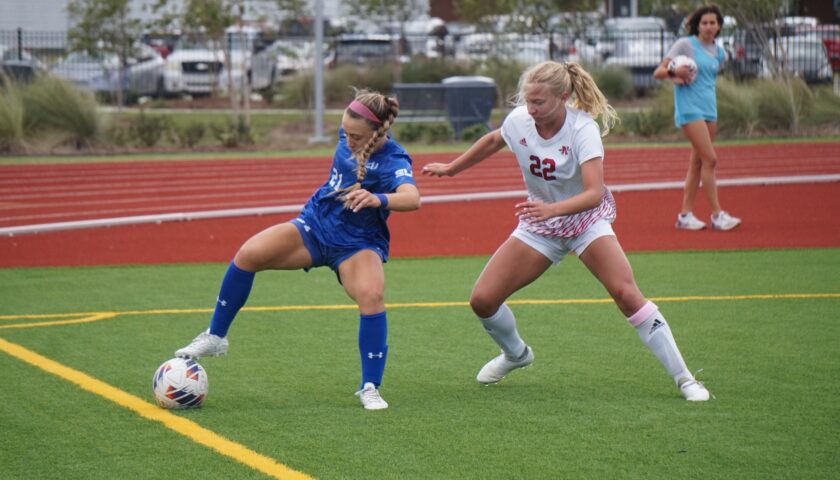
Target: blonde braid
[{"x": 386, "y": 109}]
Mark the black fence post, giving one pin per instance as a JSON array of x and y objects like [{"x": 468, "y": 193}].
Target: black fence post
[{"x": 20, "y": 43}]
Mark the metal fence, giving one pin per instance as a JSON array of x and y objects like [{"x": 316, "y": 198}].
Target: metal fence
[{"x": 168, "y": 66}]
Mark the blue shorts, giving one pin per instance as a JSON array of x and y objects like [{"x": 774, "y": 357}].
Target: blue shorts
[
  {"x": 693, "y": 117},
  {"x": 325, "y": 255}
]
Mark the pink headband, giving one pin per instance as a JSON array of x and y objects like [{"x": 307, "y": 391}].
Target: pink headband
[{"x": 360, "y": 108}]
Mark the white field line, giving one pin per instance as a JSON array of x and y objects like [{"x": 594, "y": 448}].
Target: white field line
[{"x": 455, "y": 197}]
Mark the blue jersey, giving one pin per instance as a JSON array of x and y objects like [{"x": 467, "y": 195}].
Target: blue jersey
[
  {"x": 698, "y": 100},
  {"x": 338, "y": 227}
]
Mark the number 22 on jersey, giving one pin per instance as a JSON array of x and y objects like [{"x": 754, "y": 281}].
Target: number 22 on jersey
[{"x": 543, "y": 168}]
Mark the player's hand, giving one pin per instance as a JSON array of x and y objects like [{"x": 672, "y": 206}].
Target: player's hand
[
  {"x": 437, "y": 170},
  {"x": 534, "y": 211},
  {"x": 359, "y": 199},
  {"x": 683, "y": 72}
]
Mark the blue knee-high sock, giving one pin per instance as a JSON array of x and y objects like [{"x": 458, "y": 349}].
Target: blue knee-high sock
[
  {"x": 236, "y": 286},
  {"x": 373, "y": 333}
]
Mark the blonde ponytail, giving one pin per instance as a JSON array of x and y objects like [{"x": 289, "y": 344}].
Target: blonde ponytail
[{"x": 570, "y": 77}]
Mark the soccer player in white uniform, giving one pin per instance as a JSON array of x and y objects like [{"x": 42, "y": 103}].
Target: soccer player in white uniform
[{"x": 559, "y": 150}]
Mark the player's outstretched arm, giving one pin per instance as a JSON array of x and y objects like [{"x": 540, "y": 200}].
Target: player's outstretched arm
[
  {"x": 404, "y": 199},
  {"x": 481, "y": 149}
]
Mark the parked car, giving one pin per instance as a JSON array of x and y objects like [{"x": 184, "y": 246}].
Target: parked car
[
  {"x": 143, "y": 72},
  {"x": 291, "y": 56},
  {"x": 197, "y": 65},
  {"x": 249, "y": 57},
  {"x": 800, "y": 56},
  {"x": 830, "y": 36},
  {"x": 193, "y": 67},
  {"x": 650, "y": 28},
  {"x": 637, "y": 44},
  {"x": 364, "y": 49},
  {"x": 749, "y": 43}
]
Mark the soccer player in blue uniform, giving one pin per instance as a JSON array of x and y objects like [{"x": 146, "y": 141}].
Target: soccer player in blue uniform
[{"x": 342, "y": 226}]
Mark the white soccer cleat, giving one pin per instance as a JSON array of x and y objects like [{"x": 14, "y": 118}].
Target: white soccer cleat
[
  {"x": 370, "y": 398},
  {"x": 500, "y": 366},
  {"x": 724, "y": 221},
  {"x": 689, "y": 222},
  {"x": 693, "y": 390},
  {"x": 204, "y": 345}
]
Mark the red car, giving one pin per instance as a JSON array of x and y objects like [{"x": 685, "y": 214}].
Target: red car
[{"x": 830, "y": 36}]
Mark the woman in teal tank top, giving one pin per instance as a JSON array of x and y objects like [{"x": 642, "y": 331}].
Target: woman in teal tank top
[{"x": 695, "y": 112}]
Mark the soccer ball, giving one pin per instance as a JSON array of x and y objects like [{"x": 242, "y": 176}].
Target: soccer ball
[
  {"x": 180, "y": 383},
  {"x": 679, "y": 61}
]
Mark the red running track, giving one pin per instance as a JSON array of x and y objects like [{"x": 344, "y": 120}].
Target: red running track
[
  {"x": 777, "y": 216},
  {"x": 37, "y": 194}
]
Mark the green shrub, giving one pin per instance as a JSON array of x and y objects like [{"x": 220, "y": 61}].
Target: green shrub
[
  {"x": 426, "y": 132},
  {"x": 118, "y": 134},
  {"x": 737, "y": 110},
  {"x": 408, "y": 132},
  {"x": 233, "y": 133},
  {"x": 339, "y": 83},
  {"x": 655, "y": 120},
  {"x": 615, "y": 83},
  {"x": 825, "y": 109},
  {"x": 474, "y": 132},
  {"x": 188, "y": 135},
  {"x": 438, "y": 132},
  {"x": 53, "y": 104},
  {"x": 296, "y": 92},
  {"x": 147, "y": 130},
  {"x": 11, "y": 119},
  {"x": 424, "y": 70},
  {"x": 776, "y": 107}
]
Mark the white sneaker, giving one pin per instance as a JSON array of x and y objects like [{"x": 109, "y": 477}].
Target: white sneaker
[
  {"x": 204, "y": 345},
  {"x": 370, "y": 398},
  {"x": 500, "y": 366},
  {"x": 689, "y": 222},
  {"x": 724, "y": 221},
  {"x": 693, "y": 390}
]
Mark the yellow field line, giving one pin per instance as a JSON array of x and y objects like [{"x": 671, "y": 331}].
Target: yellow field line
[
  {"x": 187, "y": 428},
  {"x": 96, "y": 316}
]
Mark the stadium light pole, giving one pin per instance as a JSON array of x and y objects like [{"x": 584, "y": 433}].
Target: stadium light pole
[{"x": 318, "y": 61}]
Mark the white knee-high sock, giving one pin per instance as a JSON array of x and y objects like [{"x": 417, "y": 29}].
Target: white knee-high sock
[
  {"x": 655, "y": 333},
  {"x": 502, "y": 328}
]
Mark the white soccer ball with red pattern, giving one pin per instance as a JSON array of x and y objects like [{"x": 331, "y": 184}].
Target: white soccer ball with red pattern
[
  {"x": 180, "y": 383},
  {"x": 679, "y": 61}
]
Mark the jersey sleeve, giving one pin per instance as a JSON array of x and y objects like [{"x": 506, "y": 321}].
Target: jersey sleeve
[
  {"x": 509, "y": 125},
  {"x": 587, "y": 142},
  {"x": 398, "y": 172},
  {"x": 681, "y": 47}
]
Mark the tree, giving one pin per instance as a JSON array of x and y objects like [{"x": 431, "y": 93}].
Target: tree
[{"x": 103, "y": 27}]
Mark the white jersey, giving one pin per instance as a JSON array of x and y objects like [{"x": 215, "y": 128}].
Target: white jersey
[{"x": 551, "y": 168}]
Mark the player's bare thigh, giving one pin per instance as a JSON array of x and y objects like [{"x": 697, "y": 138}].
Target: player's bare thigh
[
  {"x": 605, "y": 258},
  {"x": 513, "y": 266},
  {"x": 363, "y": 279},
  {"x": 701, "y": 133},
  {"x": 279, "y": 247}
]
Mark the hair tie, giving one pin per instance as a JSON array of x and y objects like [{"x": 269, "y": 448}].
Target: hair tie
[{"x": 362, "y": 109}]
